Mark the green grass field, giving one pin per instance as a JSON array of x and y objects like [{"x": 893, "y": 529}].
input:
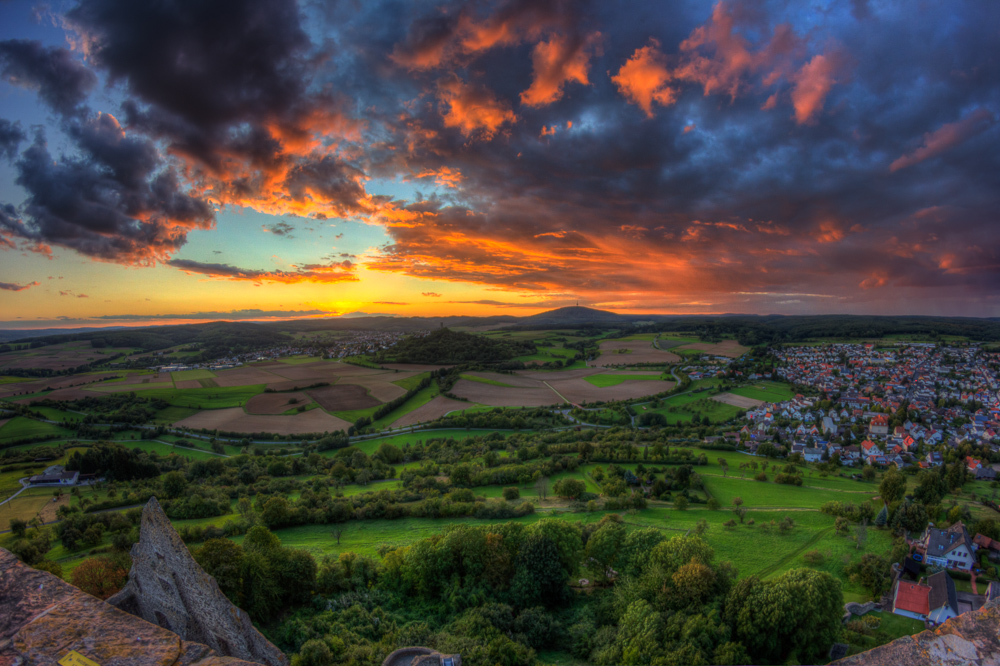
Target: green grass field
[
  {"x": 413, "y": 382},
  {"x": 21, "y": 426},
  {"x": 757, "y": 494},
  {"x": 173, "y": 414},
  {"x": 610, "y": 379},
  {"x": 766, "y": 391},
  {"x": 167, "y": 449},
  {"x": 184, "y": 375},
  {"x": 53, "y": 414},
  {"x": 205, "y": 398},
  {"x": 424, "y": 396},
  {"x": 483, "y": 380}
]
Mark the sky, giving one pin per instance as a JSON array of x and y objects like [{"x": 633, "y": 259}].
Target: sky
[{"x": 265, "y": 159}]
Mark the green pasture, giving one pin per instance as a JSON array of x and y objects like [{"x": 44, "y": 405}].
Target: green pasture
[
  {"x": 22, "y": 426},
  {"x": 413, "y": 382},
  {"x": 760, "y": 494},
  {"x": 766, "y": 391},
  {"x": 205, "y": 398},
  {"x": 53, "y": 414},
  {"x": 422, "y": 397},
  {"x": 611, "y": 379}
]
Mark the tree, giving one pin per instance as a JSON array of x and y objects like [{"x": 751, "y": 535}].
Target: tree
[
  {"x": 639, "y": 635},
  {"x": 101, "y": 576},
  {"x": 883, "y": 516},
  {"x": 542, "y": 487},
  {"x": 601, "y": 553},
  {"x": 18, "y": 527},
  {"x": 510, "y": 494},
  {"x": 571, "y": 488},
  {"x": 739, "y": 509},
  {"x": 872, "y": 572},
  {"x": 842, "y": 525},
  {"x": 174, "y": 484},
  {"x": 222, "y": 559},
  {"x": 892, "y": 487},
  {"x": 861, "y": 534},
  {"x": 315, "y": 652},
  {"x": 792, "y": 618},
  {"x": 680, "y": 502}
]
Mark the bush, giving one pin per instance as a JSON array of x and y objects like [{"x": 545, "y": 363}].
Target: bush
[
  {"x": 511, "y": 494},
  {"x": 761, "y": 477}
]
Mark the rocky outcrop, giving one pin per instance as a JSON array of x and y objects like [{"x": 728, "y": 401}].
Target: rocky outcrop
[
  {"x": 168, "y": 588},
  {"x": 43, "y": 618},
  {"x": 971, "y": 639}
]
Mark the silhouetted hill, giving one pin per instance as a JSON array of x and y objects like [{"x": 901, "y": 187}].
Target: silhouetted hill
[{"x": 573, "y": 316}]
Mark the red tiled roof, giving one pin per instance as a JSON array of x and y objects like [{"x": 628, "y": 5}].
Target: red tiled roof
[{"x": 913, "y": 598}]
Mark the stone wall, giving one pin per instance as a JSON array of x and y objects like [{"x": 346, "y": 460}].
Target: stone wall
[
  {"x": 168, "y": 588},
  {"x": 971, "y": 639},
  {"x": 43, "y": 618}
]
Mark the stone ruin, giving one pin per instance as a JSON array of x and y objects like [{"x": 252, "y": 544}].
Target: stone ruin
[
  {"x": 421, "y": 656},
  {"x": 971, "y": 639},
  {"x": 168, "y": 588},
  {"x": 43, "y": 619}
]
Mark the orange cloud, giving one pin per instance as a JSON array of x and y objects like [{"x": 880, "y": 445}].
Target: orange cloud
[
  {"x": 812, "y": 83},
  {"x": 444, "y": 176},
  {"x": 556, "y": 62},
  {"x": 875, "y": 280},
  {"x": 474, "y": 111},
  {"x": 644, "y": 78},
  {"x": 945, "y": 137}
]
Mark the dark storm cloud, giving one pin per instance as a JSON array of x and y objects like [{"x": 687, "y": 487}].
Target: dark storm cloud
[
  {"x": 594, "y": 148},
  {"x": 62, "y": 81},
  {"x": 228, "y": 86},
  {"x": 113, "y": 202},
  {"x": 329, "y": 272},
  {"x": 11, "y": 136}
]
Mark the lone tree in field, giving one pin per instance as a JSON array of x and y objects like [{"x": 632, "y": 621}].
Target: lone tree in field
[
  {"x": 542, "y": 487},
  {"x": 739, "y": 509}
]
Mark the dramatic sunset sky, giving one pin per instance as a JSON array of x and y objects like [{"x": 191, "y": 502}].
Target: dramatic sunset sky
[{"x": 192, "y": 160}]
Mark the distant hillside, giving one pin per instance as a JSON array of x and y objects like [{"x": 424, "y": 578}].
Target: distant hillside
[
  {"x": 444, "y": 346},
  {"x": 574, "y": 316}
]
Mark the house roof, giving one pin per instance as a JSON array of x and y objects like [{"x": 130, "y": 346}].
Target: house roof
[
  {"x": 912, "y": 597},
  {"x": 941, "y": 542},
  {"x": 942, "y": 591}
]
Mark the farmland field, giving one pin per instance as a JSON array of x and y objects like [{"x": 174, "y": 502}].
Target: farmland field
[
  {"x": 609, "y": 379},
  {"x": 765, "y": 391},
  {"x": 21, "y": 426},
  {"x": 182, "y": 375}
]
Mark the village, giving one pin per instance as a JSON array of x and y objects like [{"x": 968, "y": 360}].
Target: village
[{"x": 909, "y": 407}]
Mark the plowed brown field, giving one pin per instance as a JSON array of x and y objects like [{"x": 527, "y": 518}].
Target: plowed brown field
[
  {"x": 502, "y": 396},
  {"x": 639, "y": 351},
  {"x": 738, "y": 400},
  {"x": 275, "y": 403},
  {"x": 236, "y": 420},
  {"x": 580, "y": 390},
  {"x": 342, "y": 397}
]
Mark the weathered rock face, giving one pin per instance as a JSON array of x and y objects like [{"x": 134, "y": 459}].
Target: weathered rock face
[
  {"x": 971, "y": 639},
  {"x": 168, "y": 588},
  {"x": 43, "y": 618}
]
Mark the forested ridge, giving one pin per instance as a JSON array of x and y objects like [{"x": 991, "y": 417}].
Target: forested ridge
[{"x": 447, "y": 346}]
